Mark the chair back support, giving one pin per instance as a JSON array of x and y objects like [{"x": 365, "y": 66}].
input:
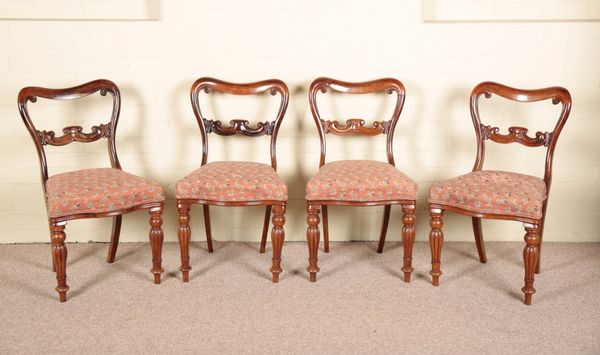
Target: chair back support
[
  {"x": 239, "y": 127},
  {"x": 519, "y": 134},
  {"x": 71, "y": 133},
  {"x": 356, "y": 126}
]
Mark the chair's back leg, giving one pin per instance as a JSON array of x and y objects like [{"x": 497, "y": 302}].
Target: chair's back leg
[
  {"x": 384, "y": 227},
  {"x": 325, "y": 229},
  {"x": 479, "y": 239},
  {"x": 114, "y": 239},
  {"x": 263, "y": 240},
  {"x": 207, "y": 227},
  {"x": 537, "y": 267}
]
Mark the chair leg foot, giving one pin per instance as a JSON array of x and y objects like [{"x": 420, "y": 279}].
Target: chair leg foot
[
  {"x": 184, "y": 234},
  {"x": 59, "y": 251},
  {"x": 530, "y": 259},
  {"x": 277, "y": 238},
  {"x": 156, "y": 242},
  {"x": 312, "y": 236},
  {"x": 436, "y": 240}
]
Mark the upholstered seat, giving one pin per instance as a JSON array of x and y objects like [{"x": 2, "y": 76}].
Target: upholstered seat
[
  {"x": 360, "y": 180},
  {"x": 98, "y": 191},
  {"x": 492, "y": 192},
  {"x": 232, "y": 181}
]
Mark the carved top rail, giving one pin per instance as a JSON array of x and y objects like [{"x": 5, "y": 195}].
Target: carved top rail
[
  {"x": 241, "y": 127},
  {"x": 355, "y": 126},
  {"x": 32, "y": 93},
  {"x": 74, "y": 134},
  {"x": 516, "y": 134}
]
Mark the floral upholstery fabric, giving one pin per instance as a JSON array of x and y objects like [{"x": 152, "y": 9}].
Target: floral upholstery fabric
[
  {"x": 494, "y": 192},
  {"x": 230, "y": 181},
  {"x": 360, "y": 180},
  {"x": 98, "y": 191}
]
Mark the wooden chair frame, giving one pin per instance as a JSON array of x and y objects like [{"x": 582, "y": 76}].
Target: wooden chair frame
[
  {"x": 357, "y": 127},
  {"x": 534, "y": 227},
  {"x": 236, "y": 127},
  {"x": 76, "y": 134}
]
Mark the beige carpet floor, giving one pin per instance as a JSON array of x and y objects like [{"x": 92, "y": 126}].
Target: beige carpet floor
[{"x": 358, "y": 305}]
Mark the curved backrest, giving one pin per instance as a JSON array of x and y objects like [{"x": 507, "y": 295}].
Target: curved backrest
[
  {"x": 71, "y": 133},
  {"x": 239, "y": 127},
  {"x": 356, "y": 126},
  {"x": 519, "y": 134}
]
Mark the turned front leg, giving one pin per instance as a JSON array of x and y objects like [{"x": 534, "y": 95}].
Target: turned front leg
[
  {"x": 59, "y": 252},
  {"x": 156, "y": 242},
  {"x": 184, "y": 233},
  {"x": 312, "y": 236},
  {"x": 277, "y": 238},
  {"x": 531, "y": 255},
  {"x": 408, "y": 239},
  {"x": 436, "y": 240}
]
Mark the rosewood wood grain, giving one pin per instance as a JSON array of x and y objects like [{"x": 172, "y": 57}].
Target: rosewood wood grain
[
  {"x": 353, "y": 127},
  {"x": 531, "y": 255},
  {"x": 277, "y": 238},
  {"x": 408, "y": 238},
  {"x": 548, "y": 140},
  {"x": 70, "y": 134},
  {"x": 156, "y": 242},
  {"x": 244, "y": 128},
  {"x": 312, "y": 237},
  {"x": 436, "y": 240},
  {"x": 184, "y": 234},
  {"x": 59, "y": 249}
]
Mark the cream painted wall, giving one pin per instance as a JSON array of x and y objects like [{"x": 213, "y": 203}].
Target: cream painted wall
[{"x": 155, "y": 63}]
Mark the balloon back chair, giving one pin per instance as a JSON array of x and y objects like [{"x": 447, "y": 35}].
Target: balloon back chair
[
  {"x": 90, "y": 193},
  {"x": 235, "y": 183},
  {"x": 500, "y": 194},
  {"x": 359, "y": 182}
]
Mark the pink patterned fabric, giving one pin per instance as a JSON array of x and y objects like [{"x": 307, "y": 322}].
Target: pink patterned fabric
[
  {"x": 98, "y": 191},
  {"x": 360, "y": 180},
  {"x": 230, "y": 181},
  {"x": 494, "y": 192}
]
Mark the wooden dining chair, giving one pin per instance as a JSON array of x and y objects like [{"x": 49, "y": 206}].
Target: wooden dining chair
[
  {"x": 91, "y": 193},
  {"x": 235, "y": 183},
  {"x": 500, "y": 194},
  {"x": 359, "y": 182}
]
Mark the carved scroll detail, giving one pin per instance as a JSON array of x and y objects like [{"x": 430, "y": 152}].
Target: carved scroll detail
[
  {"x": 516, "y": 134},
  {"x": 74, "y": 134},
  {"x": 239, "y": 127},
  {"x": 355, "y": 126}
]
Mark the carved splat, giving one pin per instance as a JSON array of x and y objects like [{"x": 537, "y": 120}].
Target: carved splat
[
  {"x": 355, "y": 126},
  {"x": 74, "y": 134},
  {"x": 239, "y": 127},
  {"x": 516, "y": 134}
]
